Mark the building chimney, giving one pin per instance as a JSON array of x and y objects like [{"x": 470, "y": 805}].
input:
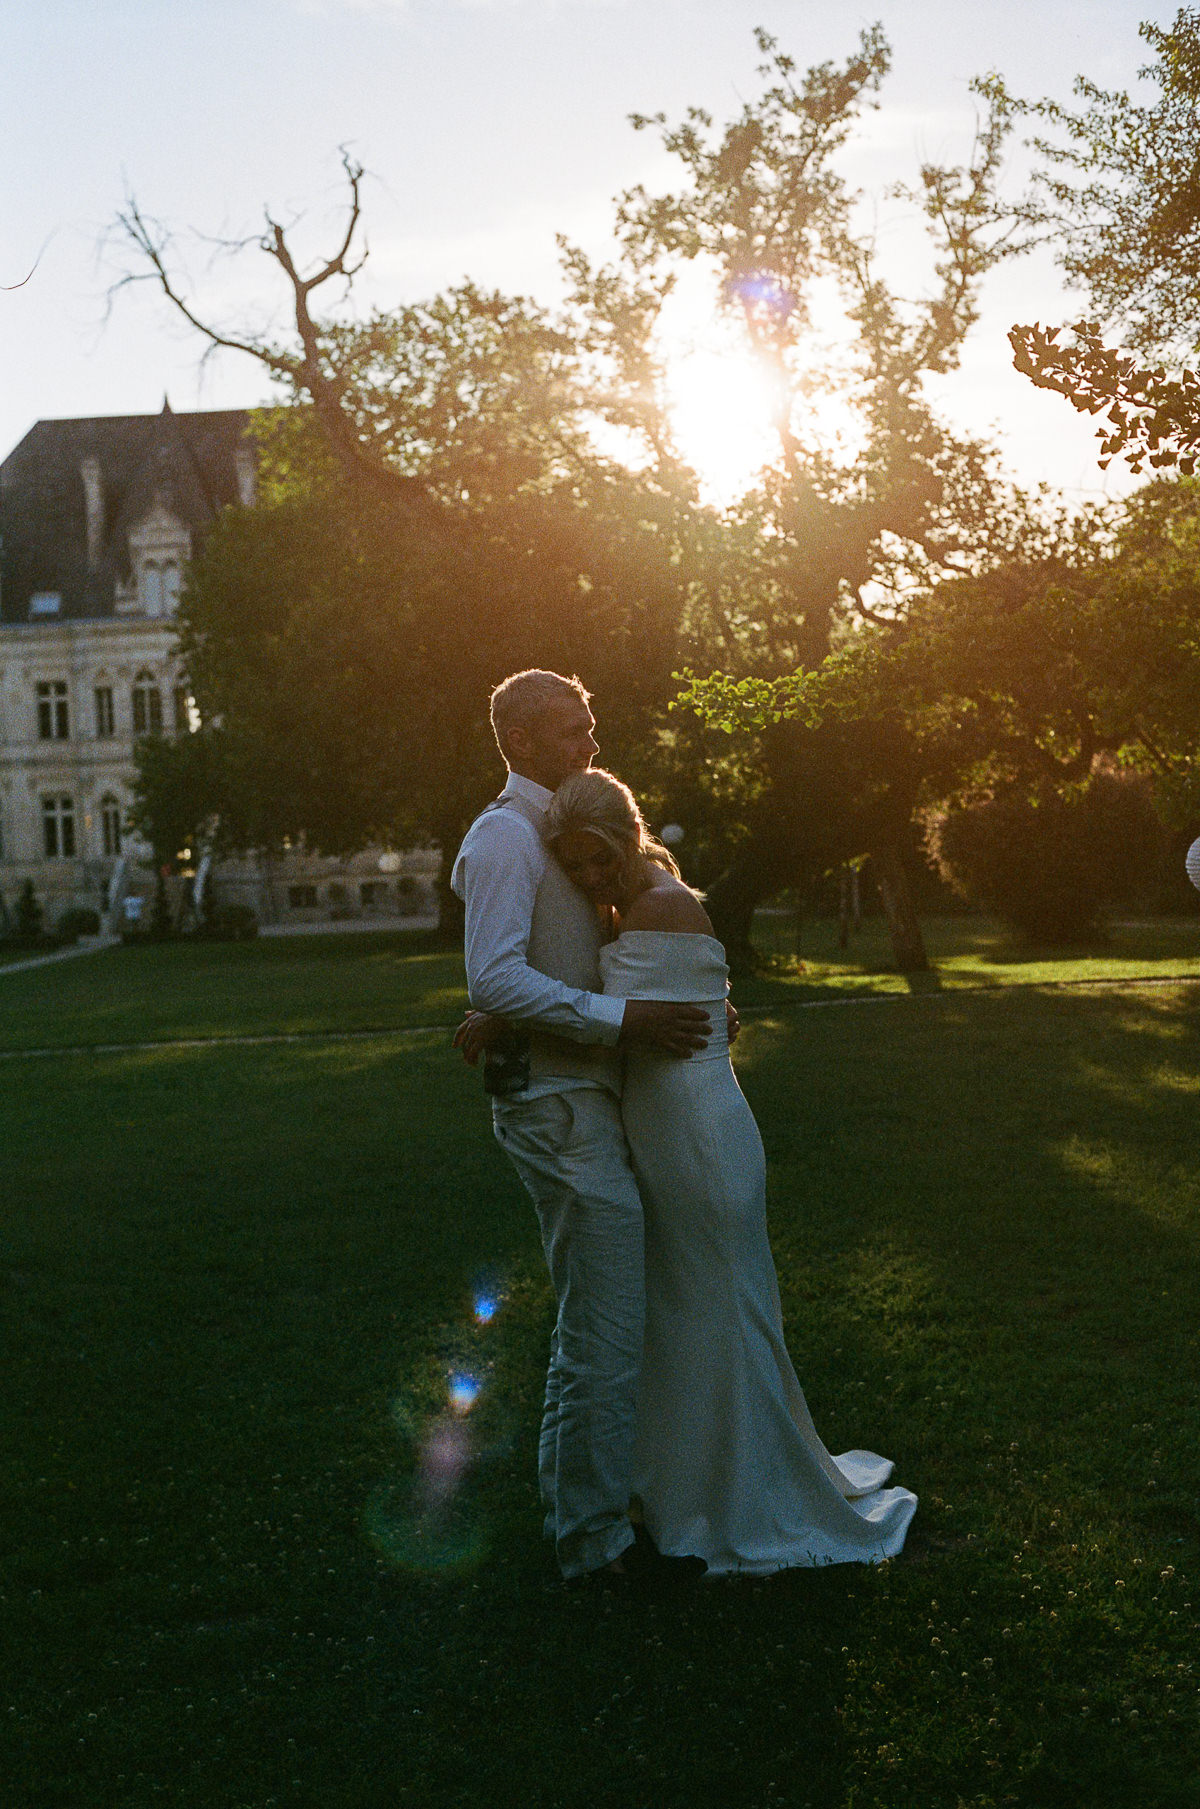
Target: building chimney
[
  {"x": 247, "y": 476},
  {"x": 93, "y": 493}
]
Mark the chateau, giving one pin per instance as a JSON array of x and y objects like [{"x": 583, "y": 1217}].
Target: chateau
[{"x": 98, "y": 519}]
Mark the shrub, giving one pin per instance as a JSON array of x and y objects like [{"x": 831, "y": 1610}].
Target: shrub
[
  {"x": 79, "y": 921},
  {"x": 228, "y": 923},
  {"x": 1048, "y": 863},
  {"x": 28, "y": 914}
]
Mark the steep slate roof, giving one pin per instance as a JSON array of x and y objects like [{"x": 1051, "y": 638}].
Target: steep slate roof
[{"x": 188, "y": 460}]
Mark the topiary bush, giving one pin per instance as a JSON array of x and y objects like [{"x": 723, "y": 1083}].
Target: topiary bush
[
  {"x": 1048, "y": 863},
  {"x": 79, "y": 921}
]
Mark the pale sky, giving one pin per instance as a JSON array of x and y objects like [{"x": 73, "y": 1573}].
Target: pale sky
[{"x": 487, "y": 126}]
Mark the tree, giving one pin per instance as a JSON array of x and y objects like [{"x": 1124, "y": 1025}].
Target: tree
[
  {"x": 480, "y": 524},
  {"x": 179, "y": 803},
  {"x": 1118, "y": 191},
  {"x": 1022, "y": 682},
  {"x": 1047, "y": 860},
  {"x": 347, "y": 652},
  {"x": 832, "y": 545},
  {"x": 308, "y": 367}
]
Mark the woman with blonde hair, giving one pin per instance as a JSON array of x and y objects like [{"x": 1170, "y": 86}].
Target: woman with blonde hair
[{"x": 729, "y": 1465}]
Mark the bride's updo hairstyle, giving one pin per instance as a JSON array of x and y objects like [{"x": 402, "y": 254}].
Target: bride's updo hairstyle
[{"x": 604, "y": 806}]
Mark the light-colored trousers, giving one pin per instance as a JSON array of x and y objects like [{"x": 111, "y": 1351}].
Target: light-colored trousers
[{"x": 569, "y": 1150}]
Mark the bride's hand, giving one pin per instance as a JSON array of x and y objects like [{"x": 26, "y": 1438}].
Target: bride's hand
[{"x": 477, "y": 1032}]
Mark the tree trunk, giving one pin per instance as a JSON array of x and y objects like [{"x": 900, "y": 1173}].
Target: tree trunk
[
  {"x": 908, "y": 944},
  {"x": 448, "y": 833},
  {"x": 160, "y": 921},
  {"x": 731, "y": 900}
]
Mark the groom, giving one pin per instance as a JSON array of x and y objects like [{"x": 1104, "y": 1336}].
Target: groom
[{"x": 532, "y": 952}]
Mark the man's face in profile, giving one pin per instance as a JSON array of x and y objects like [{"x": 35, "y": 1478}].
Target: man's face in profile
[{"x": 559, "y": 743}]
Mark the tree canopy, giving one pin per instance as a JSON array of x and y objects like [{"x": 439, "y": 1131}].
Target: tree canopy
[
  {"x": 441, "y": 502},
  {"x": 1117, "y": 188}
]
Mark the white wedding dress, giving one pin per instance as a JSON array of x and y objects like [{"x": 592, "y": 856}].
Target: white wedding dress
[{"x": 729, "y": 1466}]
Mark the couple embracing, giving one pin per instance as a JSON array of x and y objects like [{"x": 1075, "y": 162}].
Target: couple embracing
[{"x": 599, "y": 996}]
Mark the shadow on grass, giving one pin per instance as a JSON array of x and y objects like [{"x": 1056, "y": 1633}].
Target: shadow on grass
[
  {"x": 238, "y": 1279},
  {"x": 986, "y": 1223}
]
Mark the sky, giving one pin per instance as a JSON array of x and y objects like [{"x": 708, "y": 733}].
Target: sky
[{"x": 486, "y": 126}]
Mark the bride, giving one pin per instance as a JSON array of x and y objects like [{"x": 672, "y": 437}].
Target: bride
[{"x": 729, "y": 1465}]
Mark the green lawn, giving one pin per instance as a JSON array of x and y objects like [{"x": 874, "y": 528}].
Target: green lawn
[
  {"x": 968, "y": 952},
  {"x": 287, "y": 985},
  {"x": 238, "y": 1277}
]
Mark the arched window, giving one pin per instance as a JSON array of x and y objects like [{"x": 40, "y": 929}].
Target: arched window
[
  {"x": 106, "y": 722},
  {"x": 147, "y": 705},
  {"x": 110, "y": 823},
  {"x": 58, "y": 826}
]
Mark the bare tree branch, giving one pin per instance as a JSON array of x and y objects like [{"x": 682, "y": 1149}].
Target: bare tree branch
[
  {"x": 311, "y": 369},
  {"x": 8, "y": 288}
]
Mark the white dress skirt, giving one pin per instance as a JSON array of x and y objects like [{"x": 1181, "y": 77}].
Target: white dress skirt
[{"x": 729, "y": 1466}]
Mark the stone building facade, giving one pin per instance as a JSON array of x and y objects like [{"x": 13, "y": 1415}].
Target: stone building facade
[{"x": 98, "y": 519}]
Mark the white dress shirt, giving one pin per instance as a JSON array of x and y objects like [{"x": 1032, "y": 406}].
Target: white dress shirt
[{"x": 497, "y": 873}]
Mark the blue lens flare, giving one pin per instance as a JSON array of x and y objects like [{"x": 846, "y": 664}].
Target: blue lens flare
[
  {"x": 465, "y": 1389},
  {"x": 763, "y": 293},
  {"x": 430, "y": 1520}
]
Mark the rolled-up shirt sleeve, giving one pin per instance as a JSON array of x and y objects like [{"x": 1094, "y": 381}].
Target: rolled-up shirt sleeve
[{"x": 497, "y": 874}]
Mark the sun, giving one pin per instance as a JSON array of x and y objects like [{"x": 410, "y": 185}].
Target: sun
[
  {"x": 725, "y": 406},
  {"x": 723, "y": 409}
]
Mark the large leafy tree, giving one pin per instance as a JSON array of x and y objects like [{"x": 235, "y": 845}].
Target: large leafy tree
[
  {"x": 763, "y": 209},
  {"x": 1020, "y": 682},
  {"x": 345, "y": 647},
  {"x": 1117, "y": 191},
  {"x": 455, "y": 519}
]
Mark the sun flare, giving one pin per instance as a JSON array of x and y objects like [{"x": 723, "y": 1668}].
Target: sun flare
[{"x": 725, "y": 406}]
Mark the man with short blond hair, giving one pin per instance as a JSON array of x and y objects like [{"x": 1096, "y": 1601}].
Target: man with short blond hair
[
  {"x": 533, "y": 958},
  {"x": 519, "y": 700}
]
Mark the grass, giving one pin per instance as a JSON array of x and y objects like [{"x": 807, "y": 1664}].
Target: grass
[
  {"x": 285, "y": 985},
  {"x": 238, "y": 1277},
  {"x": 965, "y": 952}
]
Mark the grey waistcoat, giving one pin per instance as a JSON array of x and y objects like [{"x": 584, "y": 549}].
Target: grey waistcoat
[{"x": 564, "y": 942}]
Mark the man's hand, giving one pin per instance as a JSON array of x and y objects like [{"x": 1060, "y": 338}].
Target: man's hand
[
  {"x": 661, "y": 1024},
  {"x": 733, "y": 1023},
  {"x": 477, "y": 1032}
]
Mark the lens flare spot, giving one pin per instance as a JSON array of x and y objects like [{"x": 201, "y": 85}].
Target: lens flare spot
[
  {"x": 445, "y": 1460},
  {"x": 487, "y": 1305},
  {"x": 465, "y": 1389}
]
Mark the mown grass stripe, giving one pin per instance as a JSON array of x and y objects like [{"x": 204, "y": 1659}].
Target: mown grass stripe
[{"x": 932, "y": 995}]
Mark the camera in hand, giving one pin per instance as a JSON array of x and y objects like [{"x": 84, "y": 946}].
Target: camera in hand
[{"x": 506, "y": 1063}]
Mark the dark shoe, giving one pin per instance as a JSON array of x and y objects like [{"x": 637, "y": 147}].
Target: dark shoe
[
  {"x": 644, "y": 1570},
  {"x": 657, "y": 1566}
]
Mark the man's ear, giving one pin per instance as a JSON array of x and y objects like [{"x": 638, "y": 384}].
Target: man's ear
[{"x": 519, "y": 744}]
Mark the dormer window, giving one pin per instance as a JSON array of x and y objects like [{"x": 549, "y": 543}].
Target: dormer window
[
  {"x": 158, "y": 588},
  {"x": 159, "y": 546},
  {"x": 150, "y": 588},
  {"x": 159, "y": 584}
]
